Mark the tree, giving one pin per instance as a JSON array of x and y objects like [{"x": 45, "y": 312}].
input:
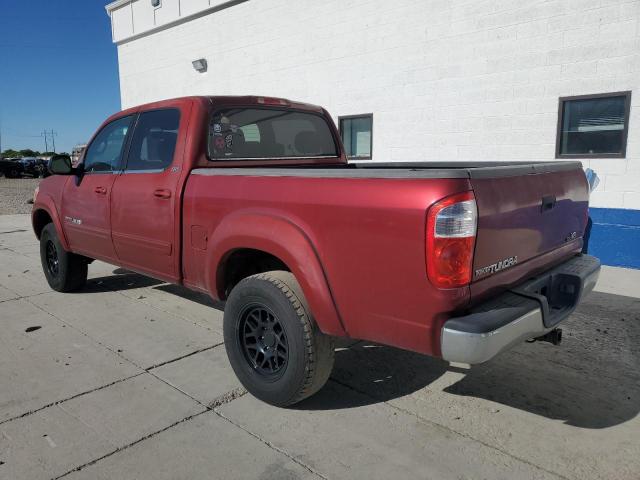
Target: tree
[
  {"x": 28, "y": 153},
  {"x": 10, "y": 153}
]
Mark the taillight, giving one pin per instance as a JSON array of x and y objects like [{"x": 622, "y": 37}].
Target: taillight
[
  {"x": 451, "y": 236},
  {"x": 273, "y": 101}
]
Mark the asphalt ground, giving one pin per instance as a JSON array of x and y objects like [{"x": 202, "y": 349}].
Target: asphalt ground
[{"x": 128, "y": 379}]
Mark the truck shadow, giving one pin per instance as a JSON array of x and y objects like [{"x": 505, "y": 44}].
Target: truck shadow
[
  {"x": 123, "y": 279},
  {"x": 120, "y": 280},
  {"x": 591, "y": 381}
]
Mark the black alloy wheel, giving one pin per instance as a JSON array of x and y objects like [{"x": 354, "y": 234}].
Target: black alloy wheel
[
  {"x": 53, "y": 264},
  {"x": 263, "y": 341},
  {"x": 64, "y": 271},
  {"x": 273, "y": 343}
]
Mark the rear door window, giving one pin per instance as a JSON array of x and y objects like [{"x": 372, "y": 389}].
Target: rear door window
[
  {"x": 154, "y": 140},
  {"x": 270, "y": 133}
]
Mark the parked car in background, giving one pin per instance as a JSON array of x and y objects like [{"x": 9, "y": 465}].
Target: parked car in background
[
  {"x": 27, "y": 166},
  {"x": 11, "y": 167},
  {"x": 42, "y": 167},
  {"x": 31, "y": 167},
  {"x": 252, "y": 201}
]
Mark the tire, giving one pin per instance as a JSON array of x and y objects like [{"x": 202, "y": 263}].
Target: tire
[
  {"x": 14, "y": 173},
  {"x": 300, "y": 358},
  {"x": 64, "y": 271}
]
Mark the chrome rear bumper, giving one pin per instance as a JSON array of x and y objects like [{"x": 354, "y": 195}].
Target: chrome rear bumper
[{"x": 530, "y": 310}]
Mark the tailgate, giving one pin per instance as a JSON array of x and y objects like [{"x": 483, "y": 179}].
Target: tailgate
[{"x": 524, "y": 214}]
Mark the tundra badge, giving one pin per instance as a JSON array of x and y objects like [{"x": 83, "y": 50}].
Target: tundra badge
[
  {"x": 75, "y": 221},
  {"x": 496, "y": 267},
  {"x": 572, "y": 236}
]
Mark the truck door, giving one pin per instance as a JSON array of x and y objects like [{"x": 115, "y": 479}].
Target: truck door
[
  {"x": 145, "y": 202},
  {"x": 86, "y": 209}
]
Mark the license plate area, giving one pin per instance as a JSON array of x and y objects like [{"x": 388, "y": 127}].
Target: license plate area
[
  {"x": 559, "y": 290},
  {"x": 558, "y": 296}
]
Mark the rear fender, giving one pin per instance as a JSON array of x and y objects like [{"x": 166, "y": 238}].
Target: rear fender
[
  {"x": 281, "y": 238},
  {"x": 45, "y": 202}
]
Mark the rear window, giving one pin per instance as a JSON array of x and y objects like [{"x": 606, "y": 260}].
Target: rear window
[{"x": 246, "y": 133}]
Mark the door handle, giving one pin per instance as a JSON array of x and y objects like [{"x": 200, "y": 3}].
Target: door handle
[
  {"x": 548, "y": 202},
  {"x": 162, "y": 193},
  {"x": 100, "y": 190}
]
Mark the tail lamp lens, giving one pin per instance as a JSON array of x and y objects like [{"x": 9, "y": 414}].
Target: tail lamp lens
[{"x": 451, "y": 236}]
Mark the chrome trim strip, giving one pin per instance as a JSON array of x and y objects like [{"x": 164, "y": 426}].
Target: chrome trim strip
[
  {"x": 590, "y": 283},
  {"x": 154, "y": 170},
  {"x": 272, "y": 159},
  {"x": 331, "y": 172},
  {"x": 473, "y": 348}
]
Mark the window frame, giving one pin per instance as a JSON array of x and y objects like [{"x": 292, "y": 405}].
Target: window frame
[
  {"x": 137, "y": 115},
  {"x": 340, "y": 130},
  {"x": 124, "y": 151},
  {"x": 223, "y": 108},
  {"x": 625, "y": 132}
]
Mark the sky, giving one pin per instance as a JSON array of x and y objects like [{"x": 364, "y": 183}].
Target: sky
[{"x": 58, "y": 70}]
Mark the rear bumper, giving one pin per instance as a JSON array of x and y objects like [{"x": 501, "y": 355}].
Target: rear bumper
[{"x": 526, "y": 311}]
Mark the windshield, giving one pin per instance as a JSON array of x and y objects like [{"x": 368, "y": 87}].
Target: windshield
[{"x": 246, "y": 133}]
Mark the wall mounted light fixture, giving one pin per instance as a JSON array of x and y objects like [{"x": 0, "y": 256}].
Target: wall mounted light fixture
[{"x": 200, "y": 65}]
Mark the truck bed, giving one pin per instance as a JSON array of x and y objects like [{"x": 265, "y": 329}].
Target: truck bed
[{"x": 367, "y": 226}]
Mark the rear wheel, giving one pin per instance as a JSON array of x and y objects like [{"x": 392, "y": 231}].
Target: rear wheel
[
  {"x": 274, "y": 346},
  {"x": 64, "y": 271}
]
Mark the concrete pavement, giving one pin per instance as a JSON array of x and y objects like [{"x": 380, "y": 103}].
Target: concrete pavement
[{"x": 129, "y": 379}]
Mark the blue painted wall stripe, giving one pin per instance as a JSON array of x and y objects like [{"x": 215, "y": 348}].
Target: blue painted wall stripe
[
  {"x": 615, "y": 236},
  {"x": 615, "y": 216}
]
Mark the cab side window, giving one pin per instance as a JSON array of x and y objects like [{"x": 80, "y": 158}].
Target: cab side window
[
  {"x": 154, "y": 140},
  {"x": 105, "y": 152}
]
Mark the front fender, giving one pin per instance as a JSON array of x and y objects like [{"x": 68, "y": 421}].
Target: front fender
[
  {"x": 45, "y": 202},
  {"x": 286, "y": 241}
]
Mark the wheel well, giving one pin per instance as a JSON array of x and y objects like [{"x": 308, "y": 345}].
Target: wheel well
[
  {"x": 243, "y": 263},
  {"x": 40, "y": 220}
]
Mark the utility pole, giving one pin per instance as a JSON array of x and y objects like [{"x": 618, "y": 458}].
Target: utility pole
[
  {"x": 53, "y": 139},
  {"x": 46, "y": 144},
  {"x": 46, "y": 134}
]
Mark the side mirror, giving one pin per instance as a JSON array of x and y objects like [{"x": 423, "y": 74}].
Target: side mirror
[{"x": 60, "y": 165}]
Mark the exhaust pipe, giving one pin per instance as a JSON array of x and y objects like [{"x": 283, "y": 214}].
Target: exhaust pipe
[{"x": 554, "y": 337}]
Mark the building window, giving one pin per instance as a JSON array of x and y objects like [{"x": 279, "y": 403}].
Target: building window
[
  {"x": 593, "y": 126},
  {"x": 356, "y": 132}
]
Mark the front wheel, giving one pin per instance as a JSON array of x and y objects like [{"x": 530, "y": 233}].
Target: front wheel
[
  {"x": 273, "y": 344},
  {"x": 65, "y": 271}
]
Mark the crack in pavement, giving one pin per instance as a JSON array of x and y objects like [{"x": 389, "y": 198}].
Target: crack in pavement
[
  {"x": 19, "y": 297},
  {"x": 227, "y": 397},
  {"x": 219, "y": 401},
  {"x": 58, "y": 402},
  {"x": 129, "y": 445},
  {"x": 211, "y": 347},
  {"x": 115, "y": 352},
  {"x": 271, "y": 445}
]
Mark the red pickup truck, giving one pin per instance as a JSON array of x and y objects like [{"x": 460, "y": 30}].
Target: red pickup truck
[{"x": 252, "y": 201}]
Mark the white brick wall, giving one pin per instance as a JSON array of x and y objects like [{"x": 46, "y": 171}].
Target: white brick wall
[{"x": 446, "y": 80}]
